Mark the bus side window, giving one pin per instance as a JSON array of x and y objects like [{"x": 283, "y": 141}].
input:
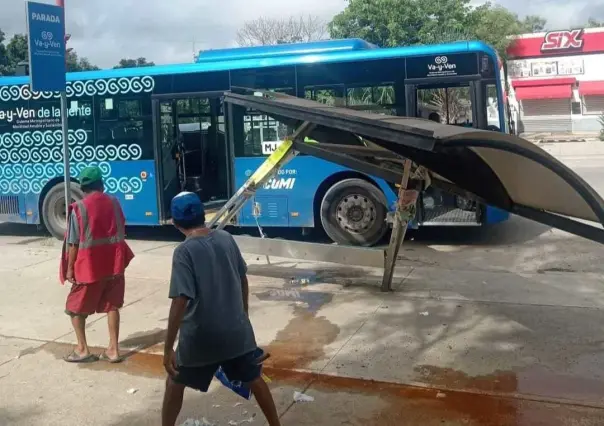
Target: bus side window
[
  {"x": 126, "y": 121},
  {"x": 80, "y": 115},
  {"x": 379, "y": 99},
  {"x": 262, "y": 135}
]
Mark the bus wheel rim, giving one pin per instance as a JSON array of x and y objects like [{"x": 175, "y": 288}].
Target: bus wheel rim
[{"x": 356, "y": 213}]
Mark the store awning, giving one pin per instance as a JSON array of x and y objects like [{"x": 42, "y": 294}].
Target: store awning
[
  {"x": 591, "y": 88},
  {"x": 544, "y": 92},
  {"x": 544, "y": 88}
]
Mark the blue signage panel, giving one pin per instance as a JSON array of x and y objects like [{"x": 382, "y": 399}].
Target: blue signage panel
[{"x": 46, "y": 33}]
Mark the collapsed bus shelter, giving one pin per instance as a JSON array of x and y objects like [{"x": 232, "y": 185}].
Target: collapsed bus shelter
[{"x": 489, "y": 167}]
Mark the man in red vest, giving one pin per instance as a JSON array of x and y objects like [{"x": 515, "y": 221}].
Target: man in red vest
[{"x": 94, "y": 260}]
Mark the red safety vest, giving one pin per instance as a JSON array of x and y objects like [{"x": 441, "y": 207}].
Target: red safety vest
[{"x": 102, "y": 251}]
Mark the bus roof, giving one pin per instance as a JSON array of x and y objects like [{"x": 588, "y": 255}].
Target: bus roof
[
  {"x": 315, "y": 47},
  {"x": 275, "y": 61}
]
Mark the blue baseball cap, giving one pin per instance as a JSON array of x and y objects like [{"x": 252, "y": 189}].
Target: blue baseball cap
[{"x": 186, "y": 206}]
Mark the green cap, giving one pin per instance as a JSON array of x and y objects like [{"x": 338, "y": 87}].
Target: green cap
[{"x": 90, "y": 175}]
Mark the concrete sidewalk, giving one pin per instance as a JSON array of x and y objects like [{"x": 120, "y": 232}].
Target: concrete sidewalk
[{"x": 450, "y": 346}]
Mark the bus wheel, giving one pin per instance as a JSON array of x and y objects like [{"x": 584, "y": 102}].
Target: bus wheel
[
  {"x": 353, "y": 212},
  {"x": 53, "y": 208}
]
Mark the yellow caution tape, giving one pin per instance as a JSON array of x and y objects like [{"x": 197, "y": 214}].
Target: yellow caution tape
[{"x": 266, "y": 378}]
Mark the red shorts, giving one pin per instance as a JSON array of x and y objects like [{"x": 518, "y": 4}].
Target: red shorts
[{"x": 98, "y": 297}]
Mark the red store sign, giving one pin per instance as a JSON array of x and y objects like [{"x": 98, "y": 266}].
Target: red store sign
[
  {"x": 556, "y": 43},
  {"x": 562, "y": 40}
]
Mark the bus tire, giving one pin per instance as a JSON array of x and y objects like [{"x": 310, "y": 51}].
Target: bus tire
[
  {"x": 353, "y": 212},
  {"x": 53, "y": 208}
]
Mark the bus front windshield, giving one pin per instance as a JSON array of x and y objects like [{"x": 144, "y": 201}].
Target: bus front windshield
[{"x": 458, "y": 105}]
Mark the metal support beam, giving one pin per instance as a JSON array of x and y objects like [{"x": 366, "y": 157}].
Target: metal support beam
[
  {"x": 405, "y": 211},
  {"x": 267, "y": 170}
]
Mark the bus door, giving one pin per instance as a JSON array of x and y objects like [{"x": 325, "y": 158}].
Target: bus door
[
  {"x": 166, "y": 150},
  {"x": 454, "y": 87},
  {"x": 449, "y": 89},
  {"x": 191, "y": 147}
]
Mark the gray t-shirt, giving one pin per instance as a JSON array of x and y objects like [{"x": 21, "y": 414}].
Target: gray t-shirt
[
  {"x": 73, "y": 234},
  {"x": 215, "y": 328}
]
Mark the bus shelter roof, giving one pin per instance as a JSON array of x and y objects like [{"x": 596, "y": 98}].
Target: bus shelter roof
[{"x": 495, "y": 168}]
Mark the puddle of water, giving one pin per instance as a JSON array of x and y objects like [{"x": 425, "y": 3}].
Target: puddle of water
[
  {"x": 536, "y": 381},
  {"x": 296, "y": 278},
  {"x": 314, "y": 300},
  {"x": 302, "y": 341}
]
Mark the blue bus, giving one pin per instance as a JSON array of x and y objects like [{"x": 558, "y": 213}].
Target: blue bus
[{"x": 155, "y": 131}]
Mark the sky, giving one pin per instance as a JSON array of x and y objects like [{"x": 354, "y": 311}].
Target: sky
[{"x": 169, "y": 31}]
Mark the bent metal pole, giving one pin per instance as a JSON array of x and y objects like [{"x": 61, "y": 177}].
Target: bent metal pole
[{"x": 61, "y": 3}]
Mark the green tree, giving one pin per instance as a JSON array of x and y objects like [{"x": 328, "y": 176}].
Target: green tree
[
  {"x": 410, "y": 22},
  {"x": 494, "y": 25},
  {"x": 134, "y": 63},
  {"x": 77, "y": 64},
  {"x": 534, "y": 24},
  {"x": 399, "y": 22},
  {"x": 16, "y": 50},
  {"x": 3, "y": 56},
  {"x": 594, "y": 23}
]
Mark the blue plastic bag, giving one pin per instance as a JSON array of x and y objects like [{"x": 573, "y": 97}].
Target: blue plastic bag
[{"x": 239, "y": 388}]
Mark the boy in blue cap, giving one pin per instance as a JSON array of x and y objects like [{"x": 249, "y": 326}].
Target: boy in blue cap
[{"x": 209, "y": 292}]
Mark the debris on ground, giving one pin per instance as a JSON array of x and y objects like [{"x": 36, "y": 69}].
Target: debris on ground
[
  {"x": 132, "y": 391},
  {"x": 424, "y": 314},
  {"x": 300, "y": 397},
  {"x": 441, "y": 395},
  {"x": 194, "y": 422},
  {"x": 234, "y": 423},
  {"x": 238, "y": 404}
]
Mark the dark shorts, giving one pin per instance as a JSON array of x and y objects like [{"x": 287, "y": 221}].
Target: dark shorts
[
  {"x": 244, "y": 369},
  {"x": 98, "y": 297}
]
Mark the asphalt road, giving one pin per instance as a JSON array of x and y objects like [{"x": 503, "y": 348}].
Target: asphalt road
[{"x": 589, "y": 168}]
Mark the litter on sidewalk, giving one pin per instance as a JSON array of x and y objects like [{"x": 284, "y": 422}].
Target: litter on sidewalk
[{"x": 301, "y": 397}]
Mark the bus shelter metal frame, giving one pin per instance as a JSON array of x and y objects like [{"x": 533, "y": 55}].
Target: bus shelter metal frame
[{"x": 403, "y": 154}]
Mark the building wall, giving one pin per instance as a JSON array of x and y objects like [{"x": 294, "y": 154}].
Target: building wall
[{"x": 582, "y": 58}]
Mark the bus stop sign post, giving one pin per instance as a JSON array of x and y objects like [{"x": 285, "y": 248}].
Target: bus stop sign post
[{"x": 46, "y": 39}]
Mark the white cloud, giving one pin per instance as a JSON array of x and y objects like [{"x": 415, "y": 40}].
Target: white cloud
[{"x": 165, "y": 31}]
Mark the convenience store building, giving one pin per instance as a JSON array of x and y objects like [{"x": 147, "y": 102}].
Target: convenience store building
[{"x": 557, "y": 81}]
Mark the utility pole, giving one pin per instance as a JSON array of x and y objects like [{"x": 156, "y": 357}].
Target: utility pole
[{"x": 65, "y": 128}]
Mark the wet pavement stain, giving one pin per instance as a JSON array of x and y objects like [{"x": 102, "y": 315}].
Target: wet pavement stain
[
  {"x": 302, "y": 341},
  {"x": 314, "y": 300},
  {"x": 409, "y": 405},
  {"x": 135, "y": 363},
  {"x": 534, "y": 380},
  {"x": 345, "y": 276},
  {"x": 145, "y": 340},
  {"x": 398, "y": 405}
]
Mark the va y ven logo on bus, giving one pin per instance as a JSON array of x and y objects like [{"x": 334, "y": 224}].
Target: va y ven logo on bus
[
  {"x": 562, "y": 40},
  {"x": 441, "y": 63}
]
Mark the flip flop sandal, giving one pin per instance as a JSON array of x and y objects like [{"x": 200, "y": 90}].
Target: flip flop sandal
[
  {"x": 105, "y": 357},
  {"x": 73, "y": 357}
]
